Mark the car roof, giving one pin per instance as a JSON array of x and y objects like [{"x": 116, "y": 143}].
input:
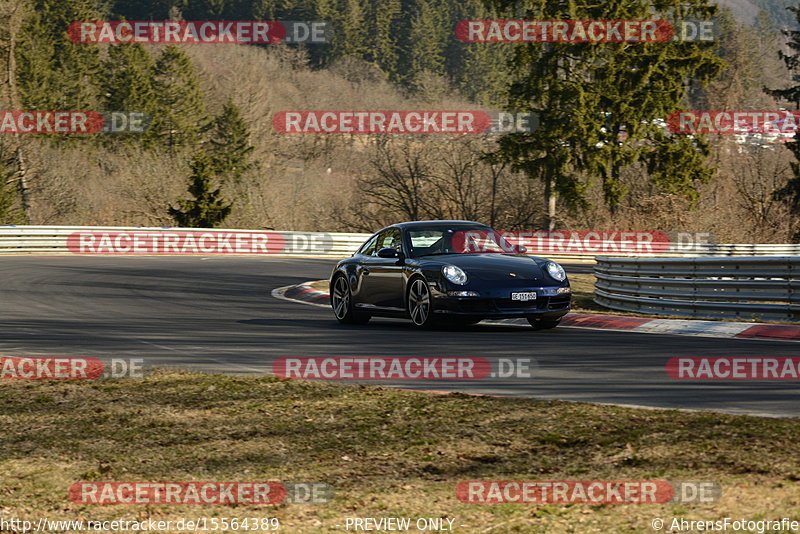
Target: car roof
[{"x": 414, "y": 224}]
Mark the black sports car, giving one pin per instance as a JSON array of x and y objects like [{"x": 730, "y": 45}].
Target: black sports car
[{"x": 456, "y": 270}]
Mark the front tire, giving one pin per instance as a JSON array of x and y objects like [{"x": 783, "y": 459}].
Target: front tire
[
  {"x": 419, "y": 303},
  {"x": 543, "y": 324},
  {"x": 342, "y": 303}
]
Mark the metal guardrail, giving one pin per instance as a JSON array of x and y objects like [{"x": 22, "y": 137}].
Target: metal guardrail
[
  {"x": 737, "y": 288},
  {"x": 67, "y": 240},
  {"x": 56, "y": 240}
]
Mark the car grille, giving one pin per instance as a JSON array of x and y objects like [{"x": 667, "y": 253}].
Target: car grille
[
  {"x": 508, "y": 304},
  {"x": 559, "y": 302},
  {"x": 542, "y": 303}
]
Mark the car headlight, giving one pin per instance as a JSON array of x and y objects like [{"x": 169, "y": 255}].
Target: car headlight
[
  {"x": 556, "y": 271},
  {"x": 454, "y": 274}
]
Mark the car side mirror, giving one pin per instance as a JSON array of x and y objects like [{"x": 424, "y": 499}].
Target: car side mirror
[
  {"x": 520, "y": 249},
  {"x": 388, "y": 253}
]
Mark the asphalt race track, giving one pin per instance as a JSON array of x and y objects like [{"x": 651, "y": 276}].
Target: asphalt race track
[{"x": 216, "y": 314}]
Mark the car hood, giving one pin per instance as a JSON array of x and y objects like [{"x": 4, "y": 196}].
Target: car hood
[{"x": 495, "y": 267}]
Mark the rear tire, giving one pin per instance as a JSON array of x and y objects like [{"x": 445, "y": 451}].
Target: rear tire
[
  {"x": 543, "y": 324},
  {"x": 419, "y": 303},
  {"x": 342, "y": 303}
]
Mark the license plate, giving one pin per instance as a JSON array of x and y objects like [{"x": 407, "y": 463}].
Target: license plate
[{"x": 523, "y": 297}]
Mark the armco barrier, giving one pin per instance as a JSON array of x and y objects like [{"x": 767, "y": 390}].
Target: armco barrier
[
  {"x": 82, "y": 240},
  {"x": 741, "y": 288},
  {"x": 66, "y": 240}
]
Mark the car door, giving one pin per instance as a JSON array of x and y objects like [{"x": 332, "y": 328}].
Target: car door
[
  {"x": 361, "y": 272},
  {"x": 382, "y": 282}
]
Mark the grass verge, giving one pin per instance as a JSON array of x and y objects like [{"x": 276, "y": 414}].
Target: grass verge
[{"x": 387, "y": 453}]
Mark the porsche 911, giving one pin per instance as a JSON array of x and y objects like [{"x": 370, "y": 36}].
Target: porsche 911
[{"x": 447, "y": 271}]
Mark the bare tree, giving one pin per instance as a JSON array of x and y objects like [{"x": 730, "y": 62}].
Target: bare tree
[
  {"x": 402, "y": 180},
  {"x": 759, "y": 172},
  {"x": 12, "y": 13}
]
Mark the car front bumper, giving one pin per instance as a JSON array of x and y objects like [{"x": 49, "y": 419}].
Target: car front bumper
[{"x": 497, "y": 304}]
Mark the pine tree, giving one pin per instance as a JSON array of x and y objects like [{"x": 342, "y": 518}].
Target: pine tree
[
  {"x": 599, "y": 105},
  {"x": 351, "y": 37},
  {"x": 35, "y": 66},
  {"x": 207, "y": 209},
  {"x": 147, "y": 9},
  {"x": 790, "y": 193},
  {"x": 229, "y": 144},
  {"x": 129, "y": 84},
  {"x": 484, "y": 76},
  {"x": 263, "y": 10},
  {"x": 129, "y": 87},
  {"x": 679, "y": 163},
  {"x": 767, "y": 39},
  {"x": 429, "y": 34},
  {"x": 479, "y": 70},
  {"x": 328, "y": 11},
  {"x": 738, "y": 85},
  {"x": 181, "y": 111},
  {"x": 386, "y": 18},
  {"x": 53, "y": 72},
  {"x": 637, "y": 85}
]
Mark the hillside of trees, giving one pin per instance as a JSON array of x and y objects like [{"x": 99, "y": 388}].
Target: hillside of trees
[
  {"x": 746, "y": 11},
  {"x": 211, "y": 156},
  {"x": 408, "y": 40}
]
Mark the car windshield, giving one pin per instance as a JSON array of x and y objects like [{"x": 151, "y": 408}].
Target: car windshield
[{"x": 439, "y": 240}]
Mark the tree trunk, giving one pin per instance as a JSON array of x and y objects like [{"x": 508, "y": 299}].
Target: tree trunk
[
  {"x": 20, "y": 165},
  {"x": 613, "y": 174},
  {"x": 22, "y": 183},
  {"x": 550, "y": 197},
  {"x": 493, "y": 207}
]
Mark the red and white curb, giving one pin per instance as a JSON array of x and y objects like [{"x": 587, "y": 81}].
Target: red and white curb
[
  {"x": 685, "y": 327},
  {"x": 303, "y": 293},
  {"x": 306, "y": 294}
]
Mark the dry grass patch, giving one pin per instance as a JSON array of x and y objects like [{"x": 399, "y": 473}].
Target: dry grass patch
[{"x": 386, "y": 452}]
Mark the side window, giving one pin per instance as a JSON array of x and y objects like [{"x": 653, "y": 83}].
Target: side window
[
  {"x": 369, "y": 247},
  {"x": 390, "y": 239}
]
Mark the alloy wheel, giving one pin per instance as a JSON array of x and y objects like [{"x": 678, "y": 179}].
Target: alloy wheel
[
  {"x": 340, "y": 300},
  {"x": 419, "y": 302}
]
